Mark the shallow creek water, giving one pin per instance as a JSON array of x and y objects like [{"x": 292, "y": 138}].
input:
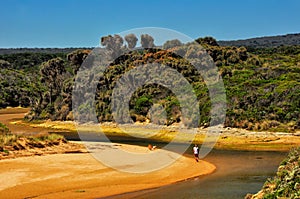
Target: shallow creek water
[{"x": 237, "y": 173}]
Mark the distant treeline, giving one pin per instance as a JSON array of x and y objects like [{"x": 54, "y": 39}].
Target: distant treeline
[
  {"x": 257, "y": 42},
  {"x": 265, "y": 42},
  {"x": 4, "y": 51}
]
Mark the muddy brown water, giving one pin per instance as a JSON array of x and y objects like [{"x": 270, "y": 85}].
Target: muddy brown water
[{"x": 237, "y": 173}]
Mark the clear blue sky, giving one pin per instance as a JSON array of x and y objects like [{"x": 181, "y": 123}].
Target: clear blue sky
[{"x": 80, "y": 23}]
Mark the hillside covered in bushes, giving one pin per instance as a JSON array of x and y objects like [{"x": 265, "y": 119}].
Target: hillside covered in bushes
[
  {"x": 265, "y": 42},
  {"x": 262, "y": 85}
]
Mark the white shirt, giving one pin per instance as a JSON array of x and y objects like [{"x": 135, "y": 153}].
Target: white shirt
[{"x": 195, "y": 149}]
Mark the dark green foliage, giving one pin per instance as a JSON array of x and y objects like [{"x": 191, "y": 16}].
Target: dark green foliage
[
  {"x": 18, "y": 89},
  {"x": 76, "y": 58},
  {"x": 264, "y": 93},
  {"x": 207, "y": 41},
  {"x": 58, "y": 76},
  {"x": 19, "y": 77},
  {"x": 262, "y": 86},
  {"x": 144, "y": 97},
  {"x": 282, "y": 50},
  {"x": 229, "y": 55},
  {"x": 28, "y": 61},
  {"x": 57, "y": 51},
  {"x": 52, "y": 75},
  {"x": 4, "y": 64}
]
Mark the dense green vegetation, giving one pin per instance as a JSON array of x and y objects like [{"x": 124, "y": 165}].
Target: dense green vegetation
[
  {"x": 262, "y": 84},
  {"x": 286, "y": 183},
  {"x": 19, "y": 78}
]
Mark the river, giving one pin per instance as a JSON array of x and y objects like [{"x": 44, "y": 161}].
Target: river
[{"x": 237, "y": 173}]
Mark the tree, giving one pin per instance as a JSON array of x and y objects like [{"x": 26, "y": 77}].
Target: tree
[
  {"x": 76, "y": 58},
  {"x": 242, "y": 51},
  {"x": 52, "y": 73},
  {"x": 172, "y": 43},
  {"x": 147, "y": 41},
  {"x": 208, "y": 41},
  {"x": 113, "y": 44},
  {"x": 4, "y": 64},
  {"x": 131, "y": 40}
]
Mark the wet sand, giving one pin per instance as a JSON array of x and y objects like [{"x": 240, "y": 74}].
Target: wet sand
[{"x": 82, "y": 176}]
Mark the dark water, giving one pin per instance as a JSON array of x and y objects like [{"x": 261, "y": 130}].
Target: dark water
[{"x": 237, "y": 173}]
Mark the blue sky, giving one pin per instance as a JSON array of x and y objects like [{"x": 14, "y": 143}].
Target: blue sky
[{"x": 80, "y": 23}]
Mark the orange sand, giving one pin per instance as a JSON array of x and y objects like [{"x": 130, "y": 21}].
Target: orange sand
[{"x": 81, "y": 176}]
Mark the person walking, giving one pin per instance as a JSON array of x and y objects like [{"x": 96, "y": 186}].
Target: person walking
[{"x": 196, "y": 152}]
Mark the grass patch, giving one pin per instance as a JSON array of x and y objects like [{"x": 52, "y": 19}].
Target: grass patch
[
  {"x": 3, "y": 129},
  {"x": 20, "y": 142},
  {"x": 6, "y": 151},
  {"x": 7, "y": 139},
  {"x": 48, "y": 137}
]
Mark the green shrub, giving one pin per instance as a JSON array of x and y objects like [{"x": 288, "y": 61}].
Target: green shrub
[
  {"x": 286, "y": 183},
  {"x": 3, "y": 129}
]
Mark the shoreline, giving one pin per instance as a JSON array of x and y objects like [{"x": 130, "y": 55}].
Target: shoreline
[
  {"x": 81, "y": 176},
  {"x": 228, "y": 139}
]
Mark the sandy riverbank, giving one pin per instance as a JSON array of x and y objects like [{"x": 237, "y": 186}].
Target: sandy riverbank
[
  {"x": 230, "y": 138},
  {"x": 81, "y": 176}
]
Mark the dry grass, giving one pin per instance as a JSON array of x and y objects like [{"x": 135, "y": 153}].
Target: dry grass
[
  {"x": 238, "y": 139},
  {"x": 7, "y": 140},
  {"x": 230, "y": 141},
  {"x": 12, "y": 141}
]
